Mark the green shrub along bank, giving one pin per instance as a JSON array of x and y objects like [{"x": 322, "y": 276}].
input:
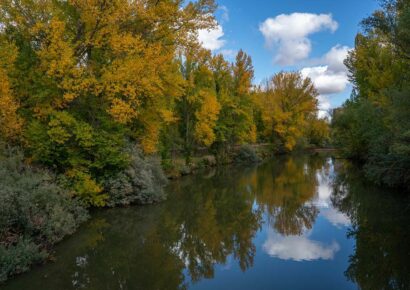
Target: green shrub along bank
[
  {"x": 35, "y": 213},
  {"x": 142, "y": 182},
  {"x": 38, "y": 209}
]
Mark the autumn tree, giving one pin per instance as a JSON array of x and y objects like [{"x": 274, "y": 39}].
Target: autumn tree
[
  {"x": 233, "y": 84},
  {"x": 10, "y": 122},
  {"x": 198, "y": 107},
  {"x": 90, "y": 76},
  {"x": 243, "y": 73},
  {"x": 287, "y": 103}
]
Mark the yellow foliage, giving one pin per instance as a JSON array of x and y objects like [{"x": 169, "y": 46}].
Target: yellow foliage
[
  {"x": 10, "y": 122},
  {"x": 286, "y": 104},
  {"x": 121, "y": 111},
  {"x": 207, "y": 117},
  {"x": 243, "y": 73},
  {"x": 57, "y": 54},
  {"x": 168, "y": 116},
  {"x": 87, "y": 188},
  {"x": 150, "y": 140}
]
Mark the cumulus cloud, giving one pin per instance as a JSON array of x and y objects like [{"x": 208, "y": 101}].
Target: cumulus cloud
[
  {"x": 212, "y": 39},
  {"x": 330, "y": 75},
  {"x": 335, "y": 58},
  {"x": 326, "y": 81},
  {"x": 298, "y": 248},
  {"x": 288, "y": 34}
]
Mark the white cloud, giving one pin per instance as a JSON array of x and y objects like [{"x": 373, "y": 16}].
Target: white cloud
[
  {"x": 212, "y": 39},
  {"x": 323, "y": 200},
  {"x": 330, "y": 76},
  {"x": 335, "y": 58},
  {"x": 325, "y": 80},
  {"x": 324, "y": 106},
  {"x": 288, "y": 34},
  {"x": 298, "y": 248}
]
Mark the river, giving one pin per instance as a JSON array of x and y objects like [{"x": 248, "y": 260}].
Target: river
[{"x": 295, "y": 222}]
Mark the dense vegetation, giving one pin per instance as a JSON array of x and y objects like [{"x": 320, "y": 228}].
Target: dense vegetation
[
  {"x": 373, "y": 127},
  {"x": 100, "y": 94},
  {"x": 35, "y": 213},
  {"x": 83, "y": 82}
]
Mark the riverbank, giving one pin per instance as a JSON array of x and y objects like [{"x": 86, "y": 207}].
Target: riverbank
[
  {"x": 37, "y": 211},
  {"x": 222, "y": 228},
  {"x": 178, "y": 166}
]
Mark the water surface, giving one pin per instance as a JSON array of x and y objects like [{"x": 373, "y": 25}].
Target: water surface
[{"x": 302, "y": 222}]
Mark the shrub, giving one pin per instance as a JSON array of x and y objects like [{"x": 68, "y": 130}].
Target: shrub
[
  {"x": 247, "y": 154},
  {"x": 19, "y": 258},
  {"x": 35, "y": 213},
  {"x": 141, "y": 183}
]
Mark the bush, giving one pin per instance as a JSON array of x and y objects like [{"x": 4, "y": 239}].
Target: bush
[
  {"x": 141, "y": 183},
  {"x": 19, "y": 257},
  {"x": 35, "y": 213},
  {"x": 247, "y": 154}
]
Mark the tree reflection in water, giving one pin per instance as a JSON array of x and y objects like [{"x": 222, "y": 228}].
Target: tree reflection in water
[
  {"x": 284, "y": 193},
  {"x": 210, "y": 219},
  {"x": 206, "y": 220},
  {"x": 381, "y": 227}
]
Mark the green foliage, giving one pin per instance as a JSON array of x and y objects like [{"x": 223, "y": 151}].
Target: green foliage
[
  {"x": 35, "y": 213},
  {"x": 141, "y": 183},
  {"x": 355, "y": 126},
  {"x": 373, "y": 126},
  {"x": 216, "y": 108},
  {"x": 19, "y": 258},
  {"x": 84, "y": 154},
  {"x": 81, "y": 77}
]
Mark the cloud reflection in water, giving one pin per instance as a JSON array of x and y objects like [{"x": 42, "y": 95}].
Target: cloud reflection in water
[{"x": 298, "y": 248}]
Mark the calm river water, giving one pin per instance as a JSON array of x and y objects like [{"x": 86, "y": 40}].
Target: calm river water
[{"x": 304, "y": 222}]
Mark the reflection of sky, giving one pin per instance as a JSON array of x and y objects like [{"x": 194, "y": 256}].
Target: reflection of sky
[
  {"x": 298, "y": 248},
  {"x": 335, "y": 217},
  {"x": 303, "y": 248},
  {"x": 323, "y": 202}
]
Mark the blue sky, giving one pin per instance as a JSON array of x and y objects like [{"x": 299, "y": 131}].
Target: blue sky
[{"x": 292, "y": 35}]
